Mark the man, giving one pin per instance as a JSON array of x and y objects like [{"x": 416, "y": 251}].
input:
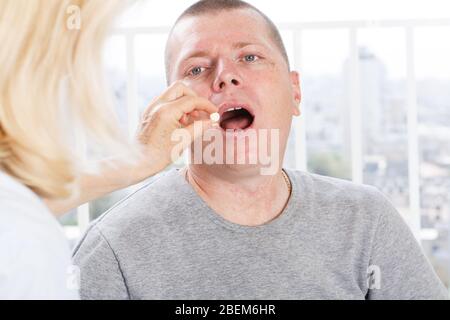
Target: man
[{"x": 227, "y": 231}]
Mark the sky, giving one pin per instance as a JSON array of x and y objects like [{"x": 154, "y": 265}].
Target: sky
[{"x": 323, "y": 51}]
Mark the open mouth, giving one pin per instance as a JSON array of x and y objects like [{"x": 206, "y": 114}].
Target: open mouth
[{"x": 236, "y": 118}]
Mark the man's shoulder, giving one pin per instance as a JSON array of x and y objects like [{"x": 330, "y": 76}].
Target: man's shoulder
[
  {"x": 336, "y": 192},
  {"x": 150, "y": 204}
]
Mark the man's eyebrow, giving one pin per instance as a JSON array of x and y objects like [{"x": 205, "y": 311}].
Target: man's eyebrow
[
  {"x": 196, "y": 54},
  {"x": 204, "y": 53},
  {"x": 240, "y": 45}
]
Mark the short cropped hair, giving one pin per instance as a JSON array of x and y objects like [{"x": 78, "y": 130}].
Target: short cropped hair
[{"x": 204, "y": 7}]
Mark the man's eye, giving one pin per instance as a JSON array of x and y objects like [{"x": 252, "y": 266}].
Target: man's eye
[
  {"x": 196, "y": 71},
  {"x": 250, "y": 58}
]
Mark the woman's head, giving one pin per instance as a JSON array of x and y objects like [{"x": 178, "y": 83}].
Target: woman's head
[{"x": 51, "y": 88}]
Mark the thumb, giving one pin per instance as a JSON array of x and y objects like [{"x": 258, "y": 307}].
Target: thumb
[{"x": 197, "y": 129}]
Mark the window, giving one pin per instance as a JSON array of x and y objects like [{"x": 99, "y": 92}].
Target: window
[{"x": 433, "y": 103}]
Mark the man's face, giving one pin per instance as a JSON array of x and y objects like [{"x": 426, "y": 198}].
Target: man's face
[{"x": 231, "y": 59}]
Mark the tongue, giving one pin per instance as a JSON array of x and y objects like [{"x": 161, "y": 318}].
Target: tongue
[{"x": 236, "y": 123}]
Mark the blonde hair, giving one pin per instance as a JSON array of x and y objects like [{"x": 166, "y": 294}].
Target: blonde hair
[{"x": 40, "y": 56}]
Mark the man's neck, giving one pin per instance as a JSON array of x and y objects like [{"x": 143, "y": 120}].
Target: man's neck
[{"x": 245, "y": 198}]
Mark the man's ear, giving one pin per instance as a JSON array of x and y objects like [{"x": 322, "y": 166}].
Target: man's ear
[{"x": 296, "y": 91}]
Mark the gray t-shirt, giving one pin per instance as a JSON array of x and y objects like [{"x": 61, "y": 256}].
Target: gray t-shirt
[{"x": 334, "y": 240}]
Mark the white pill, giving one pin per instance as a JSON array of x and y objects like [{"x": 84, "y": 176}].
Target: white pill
[{"x": 215, "y": 117}]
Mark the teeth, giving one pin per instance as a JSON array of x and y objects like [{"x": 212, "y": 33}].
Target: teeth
[{"x": 233, "y": 109}]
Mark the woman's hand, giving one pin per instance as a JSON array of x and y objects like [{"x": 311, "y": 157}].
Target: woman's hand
[{"x": 178, "y": 107}]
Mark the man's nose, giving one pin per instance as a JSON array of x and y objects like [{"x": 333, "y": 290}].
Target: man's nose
[{"x": 227, "y": 76}]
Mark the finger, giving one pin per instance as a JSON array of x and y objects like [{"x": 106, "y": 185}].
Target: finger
[
  {"x": 187, "y": 105},
  {"x": 176, "y": 91},
  {"x": 194, "y": 116},
  {"x": 194, "y": 131},
  {"x": 189, "y": 118},
  {"x": 185, "y": 120}
]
